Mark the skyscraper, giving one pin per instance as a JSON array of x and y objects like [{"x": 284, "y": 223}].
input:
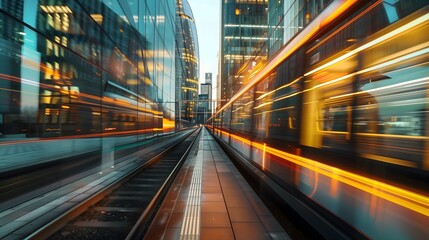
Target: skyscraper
[
  {"x": 288, "y": 18},
  {"x": 187, "y": 61},
  {"x": 76, "y": 60},
  {"x": 243, "y": 41},
  {"x": 208, "y": 77},
  {"x": 206, "y": 88}
]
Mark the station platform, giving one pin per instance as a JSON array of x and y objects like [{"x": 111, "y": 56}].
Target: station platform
[{"x": 210, "y": 199}]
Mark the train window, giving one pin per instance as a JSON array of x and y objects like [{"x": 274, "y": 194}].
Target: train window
[
  {"x": 241, "y": 113},
  {"x": 334, "y": 118},
  {"x": 227, "y": 118},
  {"x": 394, "y": 105},
  {"x": 263, "y": 106}
]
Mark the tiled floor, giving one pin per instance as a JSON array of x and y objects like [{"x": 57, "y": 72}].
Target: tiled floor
[{"x": 227, "y": 206}]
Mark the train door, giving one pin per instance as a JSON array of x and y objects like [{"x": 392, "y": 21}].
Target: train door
[{"x": 327, "y": 106}]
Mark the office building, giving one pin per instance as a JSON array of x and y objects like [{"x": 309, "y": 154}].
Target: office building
[
  {"x": 288, "y": 18},
  {"x": 187, "y": 69},
  {"x": 243, "y": 41}
]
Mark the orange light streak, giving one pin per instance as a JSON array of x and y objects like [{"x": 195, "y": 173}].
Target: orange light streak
[
  {"x": 334, "y": 187},
  {"x": 91, "y": 135},
  {"x": 340, "y": 10},
  {"x": 167, "y": 124}
]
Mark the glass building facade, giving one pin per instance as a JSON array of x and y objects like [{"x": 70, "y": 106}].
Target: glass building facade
[
  {"x": 243, "y": 42},
  {"x": 68, "y": 63},
  {"x": 288, "y": 18},
  {"x": 81, "y": 79},
  {"x": 187, "y": 65}
]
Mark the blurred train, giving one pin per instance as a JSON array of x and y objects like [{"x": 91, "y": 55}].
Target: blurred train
[{"x": 346, "y": 99}]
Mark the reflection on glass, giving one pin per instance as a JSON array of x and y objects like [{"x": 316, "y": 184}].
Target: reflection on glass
[{"x": 82, "y": 80}]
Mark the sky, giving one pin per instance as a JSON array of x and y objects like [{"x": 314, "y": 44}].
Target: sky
[{"x": 206, "y": 14}]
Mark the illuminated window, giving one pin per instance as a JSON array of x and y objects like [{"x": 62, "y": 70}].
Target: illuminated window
[
  {"x": 57, "y": 21},
  {"x": 50, "y": 21},
  {"x": 46, "y": 97},
  {"x": 49, "y": 47},
  {"x": 65, "y": 22},
  {"x": 64, "y": 41},
  {"x": 48, "y": 71}
]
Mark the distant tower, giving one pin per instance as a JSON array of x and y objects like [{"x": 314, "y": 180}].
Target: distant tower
[
  {"x": 206, "y": 89},
  {"x": 209, "y": 77},
  {"x": 205, "y": 100}
]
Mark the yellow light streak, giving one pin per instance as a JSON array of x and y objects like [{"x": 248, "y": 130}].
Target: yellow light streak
[
  {"x": 331, "y": 82},
  {"x": 389, "y": 160},
  {"x": 287, "y": 96},
  {"x": 393, "y": 136},
  {"x": 345, "y": 25},
  {"x": 237, "y": 109},
  {"x": 192, "y": 80},
  {"x": 263, "y": 104},
  {"x": 190, "y": 89},
  {"x": 332, "y": 132},
  {"x": 279, "y": 88},
  {"x": 415, "y": 82},
  {"x": 167, "y": 124},
  {"x": 397, "y": 59},
  {"x": 276, "y": 110},
  {"x": 405, "y": 198},
  {"x": 374, "y": 42}
]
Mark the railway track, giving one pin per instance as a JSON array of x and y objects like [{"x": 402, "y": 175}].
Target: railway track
[{"x": 124, "y": 209}]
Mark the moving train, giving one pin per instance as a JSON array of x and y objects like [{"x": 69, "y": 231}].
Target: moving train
[
  {"x": 346, "y": 99},
  {"x": 357, "y": 90}
]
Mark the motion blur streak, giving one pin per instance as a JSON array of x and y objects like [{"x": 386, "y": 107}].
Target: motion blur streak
[
  {"x": 379, "y": 40},
  {"x": 399, "y": 196}
]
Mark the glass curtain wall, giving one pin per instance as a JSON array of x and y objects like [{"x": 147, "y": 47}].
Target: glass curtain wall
[
  {"x": 243, "y": 41},
  {"x": 80, "y": 77},
  {"x": 287, "y": 18},
  {"x": 187, "y": 66}
]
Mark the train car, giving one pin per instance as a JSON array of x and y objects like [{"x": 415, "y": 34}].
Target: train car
[{"x": 342, "y": 117}]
